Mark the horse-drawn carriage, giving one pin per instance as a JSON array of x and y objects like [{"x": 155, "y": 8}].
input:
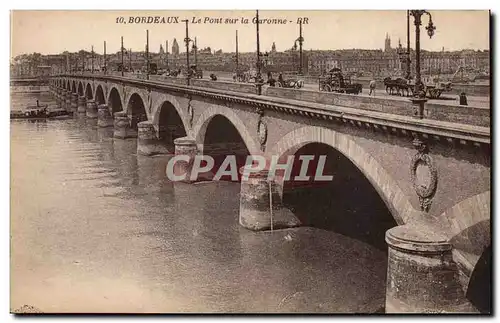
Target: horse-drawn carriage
[
  {"x": 338, "y": 82},
  {"x": 195, "y": 72},
  {"x": 400, "y": 85},
  {"x": 291, "y": 83}
]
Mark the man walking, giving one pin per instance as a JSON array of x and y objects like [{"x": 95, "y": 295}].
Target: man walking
[{"x": 373, "y": 85}]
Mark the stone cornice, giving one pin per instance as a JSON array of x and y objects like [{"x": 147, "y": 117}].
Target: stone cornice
[{"x": 446, "y": 132}]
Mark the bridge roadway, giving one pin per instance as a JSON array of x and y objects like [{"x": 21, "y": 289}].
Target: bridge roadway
[
  {"x": 446, "y": 98},
  {"x": 429, "y": 163}
]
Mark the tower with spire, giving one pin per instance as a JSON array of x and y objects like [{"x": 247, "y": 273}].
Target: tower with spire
[
  {"x": 273, "y": 48},
  {"x": 161, "y": 50},
  {"x": 387, "y": 47},
  {"x": 175, "y": 47}
]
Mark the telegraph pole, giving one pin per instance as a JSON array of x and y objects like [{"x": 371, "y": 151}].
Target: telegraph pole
[
  {"x": 147, "y": 54},
  {"x": 259, "y": 85},
  {"x": 195, "y": 47},
  {"x": 301, "y": 40},
  {"x": 187, "y": 40},
  {"x": 123, "y": 67},
  {"x": 408, "y": 57},
  {"x": 237, "y": 61}
]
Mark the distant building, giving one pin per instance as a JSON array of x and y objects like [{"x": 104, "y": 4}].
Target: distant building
[{"x": 175, "y": 47}]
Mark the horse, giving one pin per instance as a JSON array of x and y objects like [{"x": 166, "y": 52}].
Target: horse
[
  {"x": 404, "y": 85},
  {"x": 390, "y": 85}
]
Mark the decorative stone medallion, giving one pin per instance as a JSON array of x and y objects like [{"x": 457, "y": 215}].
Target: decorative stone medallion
[
  {"x": 150, "y": 101},
  {"x": 262, "y": 133},
  {"x": 190, "y": 113},
  {"x": 423, "y": 174}
]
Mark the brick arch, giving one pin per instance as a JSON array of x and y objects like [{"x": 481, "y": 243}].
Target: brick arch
[
  {"x": 387, "y": 188},
  {"x": 83, "y": 87},
  {"x": 108, "y": 95},
  {"x": 87, "y": 85},
  {"x": 74, "y": 87},
  {"x": 200, "y": 128},
  {"x": 104, "y": 94},
  {"x": 467, "y": 227},
  {"x": 172, "y": 100},
  {"x": 128, "y": 96}
]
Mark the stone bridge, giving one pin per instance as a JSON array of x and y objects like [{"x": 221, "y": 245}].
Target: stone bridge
[{"x": 428, "y": 164}]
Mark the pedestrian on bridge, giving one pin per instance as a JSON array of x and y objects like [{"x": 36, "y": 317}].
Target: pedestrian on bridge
[
  {"x": 373, "y": 85},
  {"x": 463, "y": 98}
]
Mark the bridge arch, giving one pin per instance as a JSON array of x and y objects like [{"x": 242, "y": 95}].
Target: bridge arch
[
  {"x": 160, "y": 103},
  {"x": 393, "y": 197},
  {"x": 136, "y": 110},
  {"x": 467, "y": 226},
  {"x": 114, "y": 101},
  {"x": 88, "y": 92},
  {"x": 169, "y": 122},
  {"x": 200, "y": 129},
  {"x": 74, "y": 87},
  {"x": 99, "y": 95},
  {"x": 81, "y": 90}
]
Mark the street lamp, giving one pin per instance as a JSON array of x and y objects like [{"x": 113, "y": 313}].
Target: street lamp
[
  {"x": 147, "y": 54},
  {"x": 300, "y": 40},
  {"x": 417, "y": 15},
  {"x": 92, "y": 60},
  {"x": 259, "y": 65},
  {"x": 123, "y": 66},
  {"x": 105, "y": 58}
]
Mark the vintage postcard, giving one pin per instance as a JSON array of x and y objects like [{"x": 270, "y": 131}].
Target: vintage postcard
[{"x": 250, "y": 161}]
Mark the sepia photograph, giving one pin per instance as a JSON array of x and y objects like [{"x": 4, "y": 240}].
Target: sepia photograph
[{"x": 250, "y": 162}]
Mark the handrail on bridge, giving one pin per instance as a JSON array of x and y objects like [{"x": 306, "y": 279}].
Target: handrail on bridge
[{"x": 428, "y": 126}]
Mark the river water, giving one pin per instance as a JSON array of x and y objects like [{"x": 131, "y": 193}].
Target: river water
[{"x": 97, "y": 228}]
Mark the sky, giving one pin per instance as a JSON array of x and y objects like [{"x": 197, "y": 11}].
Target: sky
[{"x": 52, "y": 32}]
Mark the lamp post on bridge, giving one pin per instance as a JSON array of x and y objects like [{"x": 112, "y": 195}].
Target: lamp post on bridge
[
  {"x": 83, "y": 62},
  {"x": 147, "y": 54},
  {"x": 166, "y": 54},
  {"x": 417, "y": 14},
  {"x": 92, "y": 60},
  {"x": 123, "y": 66},
  {"x": 187, "y": 40},
  {"x": 301, "y": 41},
  {"x": 259, "y": 81},
  {"x": 419, "y": 92},
  {"x": 105, "y": 58}
]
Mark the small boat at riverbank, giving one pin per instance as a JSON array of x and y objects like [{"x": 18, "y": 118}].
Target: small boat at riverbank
[{"x": 38, "y": 112}]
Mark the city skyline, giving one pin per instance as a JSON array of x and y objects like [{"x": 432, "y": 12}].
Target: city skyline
[{"x": 348, "y": 29}]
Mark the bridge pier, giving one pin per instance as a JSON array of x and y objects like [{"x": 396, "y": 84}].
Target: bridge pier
[
  {"x": 421, "y": 274},
  {"x": 82, "y": 101},
  {"x": 147, "y": 142},
  {"x": 122, "y": 128},
  {"x": 261, "y": 206},
  {"x": 104, "y": 118},
  {"x": 91, "y": 111},
  {"x": 185, "y": 146},
  {"x": 68, "y": 96}
]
